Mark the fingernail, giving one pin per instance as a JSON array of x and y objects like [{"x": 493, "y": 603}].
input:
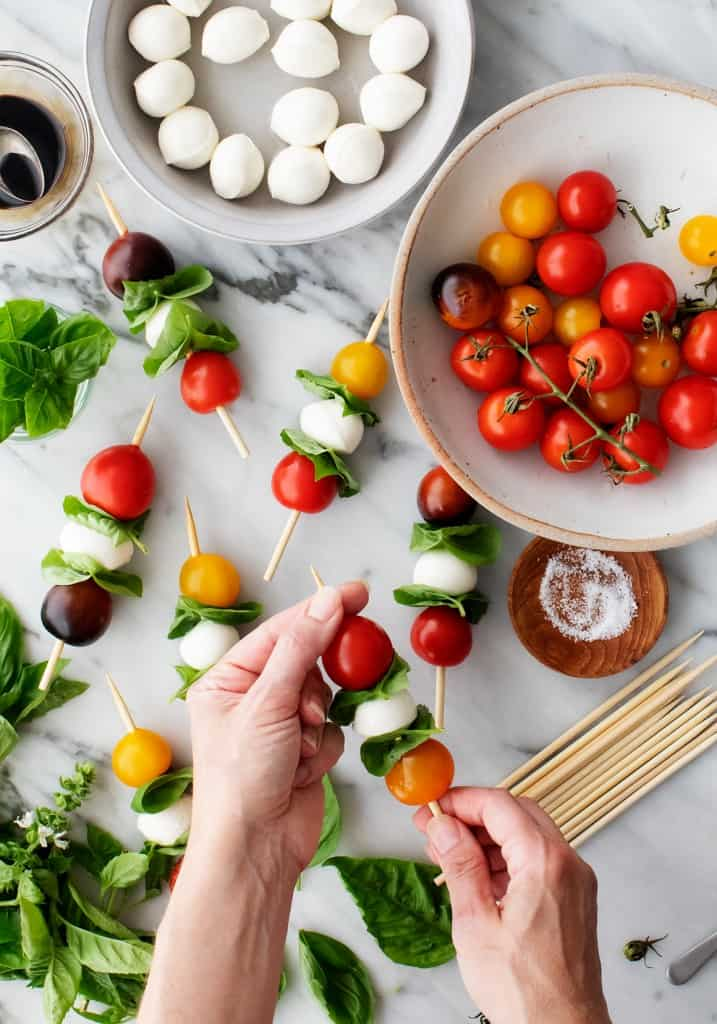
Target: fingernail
[
  {"x": 312, "y": 738},
  {"x": 324, "y": 604},
  {"x": 318, "y": 710},
  {"x": 444, "y": 833}
]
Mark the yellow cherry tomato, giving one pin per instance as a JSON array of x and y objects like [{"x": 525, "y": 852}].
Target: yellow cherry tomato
[
  {"x": 508, "y": 258},
  {"x": 211, "y": 579},
  {"x": 140, "y": 756},
  {"x": 574, "y": 318},
  {"x": 698, "y": 240},
  {"x": 529, "y": 209},
  {"x": 362, "y": 367},
  {"x": 655, "y": 361}
]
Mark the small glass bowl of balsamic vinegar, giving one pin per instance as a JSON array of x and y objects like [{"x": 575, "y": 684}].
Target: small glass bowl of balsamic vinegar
[{"x": 46, "y": 148}]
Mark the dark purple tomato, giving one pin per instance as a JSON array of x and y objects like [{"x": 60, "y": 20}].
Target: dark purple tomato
[
  {"x": 441, "y": 501},
  {"x": 466, "y": 296},
  {"x": 78, "y": 614},
  {"x": 135, "y": 257}
]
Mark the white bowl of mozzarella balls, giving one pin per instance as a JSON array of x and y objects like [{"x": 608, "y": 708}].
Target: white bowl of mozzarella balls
[{"x": 307, "y": 119}]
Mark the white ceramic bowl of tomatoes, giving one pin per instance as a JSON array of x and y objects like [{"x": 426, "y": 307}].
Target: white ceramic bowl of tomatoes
[{"x": 539, "y": 327}]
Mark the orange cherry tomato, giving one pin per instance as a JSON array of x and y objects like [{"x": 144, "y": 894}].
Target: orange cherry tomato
[
  {"x": 508, "y": 258},
  {"x": 517, "y": 310},
  {"x": 422, "y": 775},
  {"x": 529, "y": 209},
  {"x": 140, "y": 756},
  {"x": 574, "y": 318},
  {"x": 655, "y": 361},
  {"x": 210, "y": 579},
  {"x": 614, "y": 405}
]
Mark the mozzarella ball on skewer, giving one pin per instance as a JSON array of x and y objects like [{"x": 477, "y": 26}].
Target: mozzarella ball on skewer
[
  {"x": 237, "y": 167},
  {"x": 362, "y": 17},
  {"x": 81, "y": 540},
  {"x": 307, "y": 49},
  {"x": 167, "y": 826},
  {"x": 354, "y": 153},
  {"x": 234, "y": 34},
  {"x": 388, "y": 102},
  {"x": 192, "y": 8},
  {"x": 298, "y": 10},
  {"x": 299, "y": 175},
  {"x": 164, "y": 88},
  {"x": 440, "y": 570},
  {"x": 206, "y": 643},
  {"x": 160, "y": 32},
  {"x": 399, "y": 44},
  {"x": 155, "y": 325},
  {"x": 377, "y": 717},
  {"x": 326, "y": 423},
  {"x": 188, "y": 138},
  {"x": 305, "y": 117}
]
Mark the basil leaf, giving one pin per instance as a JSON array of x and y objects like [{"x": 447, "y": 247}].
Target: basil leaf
[
  {"x": 35, "y": 939},
  {"x": 162, "y": 792},
  {"x": 101, "y": 522},
  {"x": 380, "y": 753},
  {"x": 62, "y": 983},
  {"x": 124, "y": 871},
  {"x": 12, "y": 415},
  {"x": 107, "y": 955},
  {"x": 141, "y": 298},
  {"x": 190, "y": 613},
  {"x": 344, "y": 704},
  {"x": 9, "y": 926},
  {"x": 11, "y": 644},
  {"x": 82, "y": 358},
  {"x": 331, "y": 826},
  {"x": 40, "y": 333},
  {"x": 20, "y": 318},
  {"x": 28, "y": 890},
  {"x": 8, "y": 738},
  {"x": 112, "y": 1015},
  {"x": 471, "y": 606},
  {"x": 283, "y": 982},
  {"x": 101, "y": 920},
  {"x": 103, "y": 846},
  {"x": 337, "y": 978},
  {"x": 326, "y": 462},
  {"x": 49, "y": 408},
  {"x": 189, "y": 677},
  {"x": 187, "y": 329},
  {"x": 68, "y": 567},
  {"x": 41, "y": 702},
  {"x": 474, "y": 543},
  {"x": 18, "y": 364},
  {"x": 406, "y": 913},
  {"x": 159, "y": 870},
  {"x": 329, "y": 387}
]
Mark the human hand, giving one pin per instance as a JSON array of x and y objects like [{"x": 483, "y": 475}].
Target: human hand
[
  {"x": 259, "y": 734},
  {"x": 533, "y": 956}
]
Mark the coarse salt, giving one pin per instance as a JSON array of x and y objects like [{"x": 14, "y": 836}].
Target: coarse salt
[{"x": 587, "y": 595}]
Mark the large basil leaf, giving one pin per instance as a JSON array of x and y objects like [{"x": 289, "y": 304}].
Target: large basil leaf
[
  {"x": 329, "y": 387},
  {"x": 8, "y": 738},
  {"x": 189, "y": 613},
  {"x": 62, "y": 983},
  {"x": 380, "y": 753},
  {"x": 101, "y": 920},
  {"x": 102, "y": 844},
  {"x": 9, "y": 926},
  {"x": 337, "y": 978},
  {"x": 124, "y": 871},
  {"x": 35, "y": 939},
  {"x": 39, "y": 702},
  {"x": 326, "y": 462},
  {"x": 80, "y": 348},
  {"x": 21, "y": 319},
  {"x": 162, "y": 792},
  {"x": 344, "y": 704},
  {"x": 19, "y": 362},
  {"x": 49, "y": 407},
  {"x": 12, "y": 415},
  {"x": 474, "y": 543},
  {"x": 67, "y": 567},
  {"x": 471, "y": 606},
  {"x": 107, "y": 955},
  {"x": 189, "y": 677},
  {"x": 331, "y": 826},
  {"x": 186, "y": 330},
  {"x": 141, "y": 298},
  {"x": 407, "y": 914},
  {"x": 101, "y": 522},
  {"x": 11, "y": 644}
]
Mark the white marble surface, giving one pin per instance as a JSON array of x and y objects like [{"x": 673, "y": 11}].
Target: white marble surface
[{"x": 291, "y": 308}]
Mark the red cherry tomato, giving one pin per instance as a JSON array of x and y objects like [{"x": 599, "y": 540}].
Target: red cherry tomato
[
  {"x": 688, "y": 411},
  {"x": 566, "y": 444},
  {"x": 360, "y": 654},
  {"x": 552, "y": 357},
  {"x": 441, "y": 501},
  {"x": 295, "y": 485},
  {"x": 422, "y": 775},
  {"x": 484, "y": 360},
  {"x": 570, "y": 262},
  {"x": 587, "y": 201},
  {"x": 699, "y": 347},
  {"x": 209, "y": 379},
  {"x": 511, "y": 419},
  {"x": 119, "y": 480},
  {"x": 601, "y": 360},
  {"x": 174, "y": 874},
  {"x": 441, "y": 636},
  {"x": 631, "y": 291},
  {"x": 647, "y": 440}
]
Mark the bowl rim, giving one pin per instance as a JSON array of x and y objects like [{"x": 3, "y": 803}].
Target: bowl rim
[
  {"x": 531, "y": 524},
  {"x": 121, "y": 146}
]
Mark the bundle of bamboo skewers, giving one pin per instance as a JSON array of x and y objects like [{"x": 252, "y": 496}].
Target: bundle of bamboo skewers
[{"x": 623, "y": 749}]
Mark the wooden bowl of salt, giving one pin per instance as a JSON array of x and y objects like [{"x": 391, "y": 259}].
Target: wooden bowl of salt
[{"x": 587, "y": 613}]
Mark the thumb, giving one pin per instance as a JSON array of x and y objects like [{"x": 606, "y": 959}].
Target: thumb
[{"x": 466, "y": 870}]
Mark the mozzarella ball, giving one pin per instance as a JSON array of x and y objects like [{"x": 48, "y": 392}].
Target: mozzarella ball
[
  {"x": 298, "y": 10},
  {"x": 388, "y": 102},
  {"x": 326, "y": 423},
  {"x": 233, "y": 34},
  {"x": 164, "y": 88},
  {"x": 237, "y": 167},
  {"x": 377, "y": 717},
  {"x": 81, "y": 540},
  {"x": 362, "y": 17},
  {"x": 188, "y": 138},
  {"x": 306, "y": 49},
  {"x": 354, "y": 153},
  {"x": 440, "y": 570},
  {"x": 299, "y": 175},
  {"x": 160, "y": 32},
  {"x": 399, "y": 44},
  {"x": 206, "y": 643},
  {"x": 192, "y": 8},
  {"x": 167, "y": 826},
  {"x": 305, "y": 117},
  {"x": 155, "y": 325}
]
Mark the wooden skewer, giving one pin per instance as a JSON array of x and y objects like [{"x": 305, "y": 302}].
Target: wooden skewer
[
  {"x": 435, "y": 809},
  {"x": 51, "y": 667},
  {"x": 440, "y": 716},
  {"x": 113, "y": 212},
  {"x": 281, "y": 546},
  {"x": 192, "y": 536},
  {"x": 233, "y": 431},
  {"x": 144, "y": 424},
  {"x": 377, "y": 323},
  {"x": 317, "y": 579},
  {"x": 121, "y": 704}
]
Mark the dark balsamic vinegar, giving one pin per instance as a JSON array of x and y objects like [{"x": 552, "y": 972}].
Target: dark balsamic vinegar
[{"x": 45, "y": 135}]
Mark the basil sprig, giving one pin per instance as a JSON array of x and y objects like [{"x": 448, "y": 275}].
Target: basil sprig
[
  {"x": 329, "y": 387},
  {"x": 471, "y": 606},
  {"x": 380, "y": 753},
  {"x": 406, "y": 913},
  {"x": 67, "y": 567},
  {"x": 187, "y": 330},
  {"x": 337, "y": 978},
  {"x": 326, "y": 462},
  {"x": 162, "y": 792},
  {"x": 189, "y": 613},
  {"x": 344, "y": 704},
  {"x": 189, "y": 677},
  {"x": 102, "y": 522},
  {"x": 331, "y": 825},
  {"x": 143, "y": 298},
  {"x": 474, "y": 543}
]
